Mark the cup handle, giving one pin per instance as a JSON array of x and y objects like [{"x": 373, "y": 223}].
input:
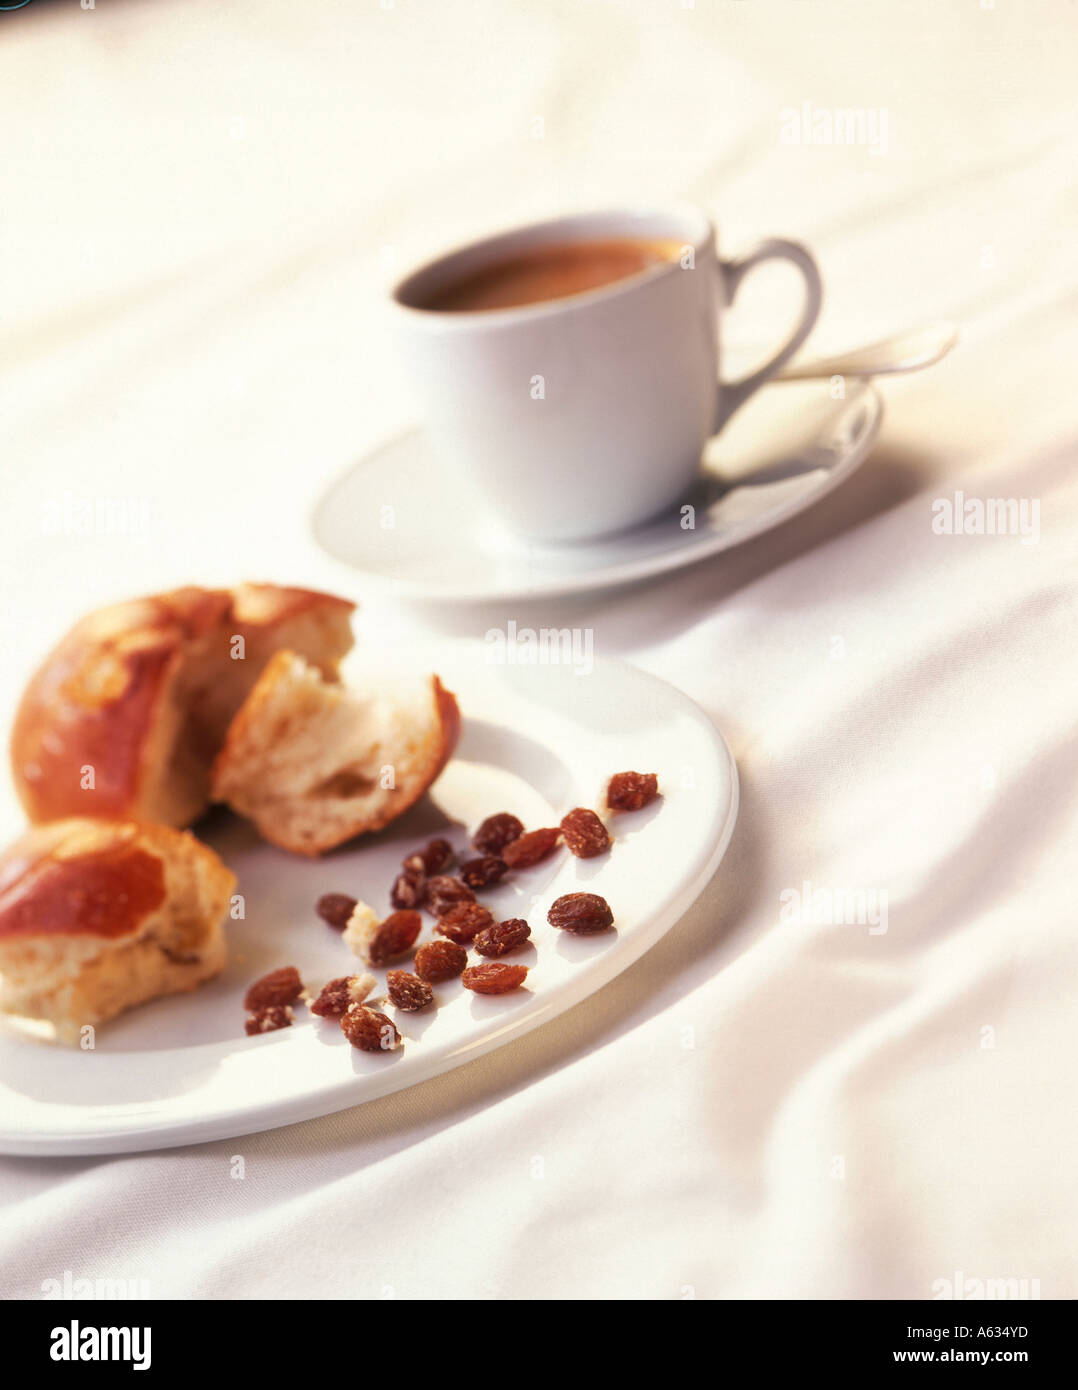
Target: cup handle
[{"x": 734, "y": 394}]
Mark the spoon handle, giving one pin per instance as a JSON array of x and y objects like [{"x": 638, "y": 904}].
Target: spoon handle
[{"x": 905, "y": 352}]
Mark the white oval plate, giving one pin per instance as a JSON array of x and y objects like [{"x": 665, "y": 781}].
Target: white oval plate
[
  {"x": 416, "y": 531},
  {"x": 537, "y": 741}
]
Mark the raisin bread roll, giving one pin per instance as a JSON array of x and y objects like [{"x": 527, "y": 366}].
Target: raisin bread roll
[
  {"x": 125, "y": 716},
  {"x": 97, "y": 916}
]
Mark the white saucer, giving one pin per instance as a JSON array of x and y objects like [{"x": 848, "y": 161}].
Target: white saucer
[
  {"x": 413, "y": 530},
  {"x": 536, "y": 741}
]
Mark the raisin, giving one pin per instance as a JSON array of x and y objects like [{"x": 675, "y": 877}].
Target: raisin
[
  {"x": 585, "y": 834},
  {"x": 434, "y": 859},
  {"x": 394, "y": 937},
  {"x": 494, "y": 978},
  {"x": 408, "y": 889},
  {"x": 340, "y": 993},
  {"x": 444, "y": 892},
  {"x": 530, "y": 848},
  {"x": 502, "y": 937},
  {"x": 462, "y": 922},
  {"x": 335, "y": 908},
  {"x": 480, "y": 873},
  {"x": 496, "y": 832},
  {"x": 369, "y": 1030},
  {"x": 269, "y": 1020},
  {"x": 629, "y": 791},
  {"x": 440, "y": 960},
  {"x": 407, "y": 991},
  {"x": 282, "y": 986},
  {"x": 580, "y": 913}
]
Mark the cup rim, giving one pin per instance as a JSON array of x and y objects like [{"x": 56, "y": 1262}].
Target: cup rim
[{"x": 472, "y": 254}]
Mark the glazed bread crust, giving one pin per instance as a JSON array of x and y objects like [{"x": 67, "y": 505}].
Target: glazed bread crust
[
  {"x": 97, "y": 916},
  {"x": 126, "y": 714}
]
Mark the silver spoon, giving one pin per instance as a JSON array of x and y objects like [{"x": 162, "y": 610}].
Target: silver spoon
[{"x": 904, "y": 352}]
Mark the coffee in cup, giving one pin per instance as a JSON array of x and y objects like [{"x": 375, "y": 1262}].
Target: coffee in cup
[{"x": 551, "y": 272}]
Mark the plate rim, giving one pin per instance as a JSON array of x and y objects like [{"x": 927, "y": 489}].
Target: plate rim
[
  {"x": 601, "y": 577},
  {"x": 129, "y": 1137}
]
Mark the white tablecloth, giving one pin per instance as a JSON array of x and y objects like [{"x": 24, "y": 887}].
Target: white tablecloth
[{"x": 201, "y": 207}]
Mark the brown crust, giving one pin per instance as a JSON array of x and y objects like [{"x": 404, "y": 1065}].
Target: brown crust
[
  {"x": 258, "y": 604},
  {"x": 101, "y": 694},
  {"x": 95, "y": 699},
  {"x": 85, "y": 878},
  {"x": 449, "y": 717}
]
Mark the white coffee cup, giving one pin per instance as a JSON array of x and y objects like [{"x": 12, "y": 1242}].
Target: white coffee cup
[{"x": 585, "y": 415}]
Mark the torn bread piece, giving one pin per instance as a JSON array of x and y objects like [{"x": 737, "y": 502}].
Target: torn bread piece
[
  {"x": 124, "y": 717},
  {"x": 315, "y": 763},
  {"x": 97, "y": 916}
]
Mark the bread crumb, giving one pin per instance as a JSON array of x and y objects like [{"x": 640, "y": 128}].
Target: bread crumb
[
  {"x": 359, "y": 987},
  {"x": 361, "y": 930}
]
